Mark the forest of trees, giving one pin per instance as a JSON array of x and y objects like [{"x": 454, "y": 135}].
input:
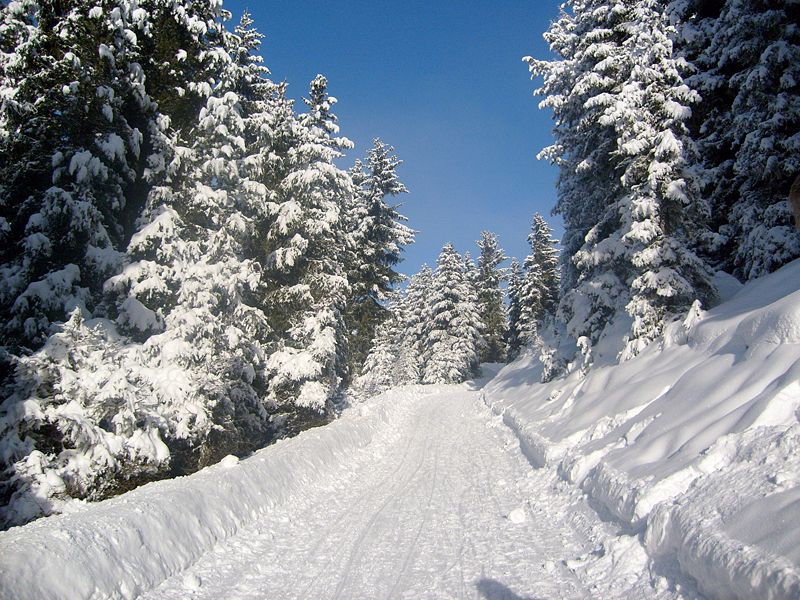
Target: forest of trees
[
  {"x": 677, "y": 137},
  {"x": 186, "y": 272},
  {"x": 448, "y": 321}
]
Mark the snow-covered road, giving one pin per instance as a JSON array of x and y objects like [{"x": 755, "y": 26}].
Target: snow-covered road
[
  {"x": 441, "y": 509},
  {"x": 420, "y": 493}
]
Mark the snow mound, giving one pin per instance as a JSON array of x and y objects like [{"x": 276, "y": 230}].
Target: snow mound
[
  {"x": 695, "y": 442},
  {"x": 517, "y": 515}
]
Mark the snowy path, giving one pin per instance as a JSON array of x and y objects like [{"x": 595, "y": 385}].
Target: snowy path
[{"x": 423, "y": 514}]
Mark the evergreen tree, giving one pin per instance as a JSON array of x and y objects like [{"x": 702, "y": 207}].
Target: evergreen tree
[
  {"x": 378, "y": 235},
  {"x": 514, "y": 336},
  {"x": 95, "y": 132},
  {"x": 745, "y": 56},
  {"x": 453, "y": 331},
  {"x": 620, "y": 91},
  {"x": 306, "y": 286},
  {"x": 490, "y": 297},
  {"x": 416, "y": 316},
  {"x": 73, "y": 119},
  {"x": 381, "y": 370},
  {"x": 191, "y": 290},
  {"x": 544, "y": 254}
]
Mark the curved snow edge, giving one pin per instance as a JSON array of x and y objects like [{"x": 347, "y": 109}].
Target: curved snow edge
[
  {"x": 124, "y": 546},
  {"x": 722, "y": 567}
]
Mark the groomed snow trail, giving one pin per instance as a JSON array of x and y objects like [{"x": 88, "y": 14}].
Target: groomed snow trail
[{"x": 438, "y": 508}]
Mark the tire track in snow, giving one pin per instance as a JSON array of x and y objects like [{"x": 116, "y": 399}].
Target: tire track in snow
[{"x": 422, "y": 518}]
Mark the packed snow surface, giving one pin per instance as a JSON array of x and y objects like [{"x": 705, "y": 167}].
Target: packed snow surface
[{"x": 419, "y": 493}]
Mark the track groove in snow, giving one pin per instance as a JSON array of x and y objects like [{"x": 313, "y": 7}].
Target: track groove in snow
[
  {"x": 420, "y": 493},
  {"x": 424, "y": 517}
]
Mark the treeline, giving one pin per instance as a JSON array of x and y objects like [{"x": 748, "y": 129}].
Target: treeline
[
  {"x": 184, "y": 270},
  {"x": 676, "y": 137},
  {"x": 448, "y": 321}
]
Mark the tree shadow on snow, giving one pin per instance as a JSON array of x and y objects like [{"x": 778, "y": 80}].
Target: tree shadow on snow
[
  {"x": 488, "y": 371},
  {"x": 491, "y": 589}
]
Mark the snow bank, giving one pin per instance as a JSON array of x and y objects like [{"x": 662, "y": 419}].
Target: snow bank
[
  {"x": 695, "y": 442},
  {"x": 126, "y": 545}
]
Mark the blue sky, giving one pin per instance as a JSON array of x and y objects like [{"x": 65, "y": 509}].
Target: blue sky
[{"x": 441, "y": 81}]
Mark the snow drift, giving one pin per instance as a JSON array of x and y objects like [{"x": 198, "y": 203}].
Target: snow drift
[
  {"x": 126, "y": 545},
  {"x": 695, "y": 443}
]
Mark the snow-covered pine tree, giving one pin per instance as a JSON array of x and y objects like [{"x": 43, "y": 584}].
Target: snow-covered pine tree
[
  {"x": 620, "y": 89},
  {"x": 490, "y": 297},
  {"x": 544, "y": 253},
  {"x": 416, "y": 314},
  {"x": 453, "y": 329},
  {"x": 584, "y": 39},
  {"x": 514, "y": 291},
  {"x": 382, "y": 369},
  {"x": 378, "y": 235},
  {"x": 191, "y": 292},
  {"x": 539, "y": 286},
  {"x": 306, "y": 285},
  {"x": 91, "y": 410},
  {"x": 73, "y": 117},
  {"x": 746, "y": 56}
]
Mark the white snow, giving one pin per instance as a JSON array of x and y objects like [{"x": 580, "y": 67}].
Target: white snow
[
  {"x": 419, "y": 493},
  {"x": 696, "y": 441}
]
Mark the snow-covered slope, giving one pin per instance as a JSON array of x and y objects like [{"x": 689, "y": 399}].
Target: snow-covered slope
[{"x": 695, "y": 443}]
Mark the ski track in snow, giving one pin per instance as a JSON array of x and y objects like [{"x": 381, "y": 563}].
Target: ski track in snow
[{"x": 423, "y": 513}]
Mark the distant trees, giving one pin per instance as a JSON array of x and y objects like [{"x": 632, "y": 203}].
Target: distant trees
[
  {"x": 453, "y": 331},
  {"x": 449, "y": 321}
]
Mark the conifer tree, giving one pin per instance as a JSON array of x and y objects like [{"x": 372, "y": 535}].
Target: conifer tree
[
  {"x": 745, "y": 56},
  {"x": 381, "y": 369},
  {"x": 490, "y": 297},
  {"x": 378, "y": 235},
  {"x": 96, "y": 125},
  {"x": 306, "y": 284},
  {"x": 453, "y": 331},
  {"x": 514, "y": 337},
  {"x": 71, "y": 152},
  {"x": 619, "y": 90},
  {"x": 416, "y": 315}
]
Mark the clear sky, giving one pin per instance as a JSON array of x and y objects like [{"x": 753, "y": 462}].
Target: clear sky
[{"x": 443, "y": 82}]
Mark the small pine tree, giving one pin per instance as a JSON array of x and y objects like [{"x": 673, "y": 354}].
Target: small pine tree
[{"x": 416, "y": 316}]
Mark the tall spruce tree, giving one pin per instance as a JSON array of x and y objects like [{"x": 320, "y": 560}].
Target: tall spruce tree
[
  {"x": 104, "y": 406},
  {"x": 490, "y": 297},
  {"x": 378, "y": 235},
  {"x": 746, "y": 56},
  {"x": 306, "y": 284},
  {"x": 621, "y": 108}
]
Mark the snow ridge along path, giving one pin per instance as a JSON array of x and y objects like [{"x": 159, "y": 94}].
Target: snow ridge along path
[{"x": 420, "y": 493}]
